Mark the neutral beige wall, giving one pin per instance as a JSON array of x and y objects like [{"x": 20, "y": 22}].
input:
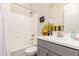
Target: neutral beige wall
[
  {"x": 42, "y": 10},
  {"x": 56, "y": 11}
]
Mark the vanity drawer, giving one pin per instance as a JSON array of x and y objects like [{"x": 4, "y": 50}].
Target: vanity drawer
[
  {"x": 44, "y": 52},
  {"x": 61, "y": 50}
]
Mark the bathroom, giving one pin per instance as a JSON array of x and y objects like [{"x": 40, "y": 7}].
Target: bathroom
[{"x": 39, "y": 29}]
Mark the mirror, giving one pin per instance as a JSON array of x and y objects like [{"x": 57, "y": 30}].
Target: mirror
[{"x": 71, "y": 18}]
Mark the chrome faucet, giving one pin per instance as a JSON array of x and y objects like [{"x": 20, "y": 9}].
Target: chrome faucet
[{"x": 73, "y": 34}]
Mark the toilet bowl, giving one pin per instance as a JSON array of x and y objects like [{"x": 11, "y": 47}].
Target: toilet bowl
[{"x": 31, "y": 51}]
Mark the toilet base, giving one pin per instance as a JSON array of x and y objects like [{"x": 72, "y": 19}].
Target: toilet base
[{"x": 31, "y": 54}]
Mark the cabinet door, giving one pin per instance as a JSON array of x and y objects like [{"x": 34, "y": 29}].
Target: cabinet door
[
  {"x": 41, "y": 51},
  {"x": 44, "y": 52},
  {"x": 59, "y": 49},
  {"x": 51, "y": 54}
]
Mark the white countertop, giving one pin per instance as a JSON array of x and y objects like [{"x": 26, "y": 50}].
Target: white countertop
[{"x": 65, "y": 41}]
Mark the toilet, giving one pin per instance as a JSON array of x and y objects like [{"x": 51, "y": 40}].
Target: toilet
[{"x": 31, "y": 51}]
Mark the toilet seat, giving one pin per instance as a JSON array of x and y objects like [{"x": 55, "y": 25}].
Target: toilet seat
[{"x": 31, "y": 49}]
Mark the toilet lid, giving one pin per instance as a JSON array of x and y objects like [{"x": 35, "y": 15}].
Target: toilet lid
[{"x": 31, "y": 49}]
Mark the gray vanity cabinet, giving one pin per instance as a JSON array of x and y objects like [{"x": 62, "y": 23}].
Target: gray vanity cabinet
[
  {"x": 51, "y": 54},
  {"x": 41, "y": 51},
  {"x": 44, "y": 52},
  {"x": 46, "y": 48}
]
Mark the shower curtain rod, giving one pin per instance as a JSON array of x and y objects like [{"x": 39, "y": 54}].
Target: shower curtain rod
[{"x": 25, "y": 7}]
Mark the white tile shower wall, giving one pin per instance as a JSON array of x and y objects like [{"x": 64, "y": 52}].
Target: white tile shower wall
[
  {"x": 0, "y": 29},
  {"x": 20, "y": 31},
  {"x": 20, "y": 10}
]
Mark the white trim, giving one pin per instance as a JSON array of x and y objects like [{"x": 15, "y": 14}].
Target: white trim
[{"x": 5, "y": 41}]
